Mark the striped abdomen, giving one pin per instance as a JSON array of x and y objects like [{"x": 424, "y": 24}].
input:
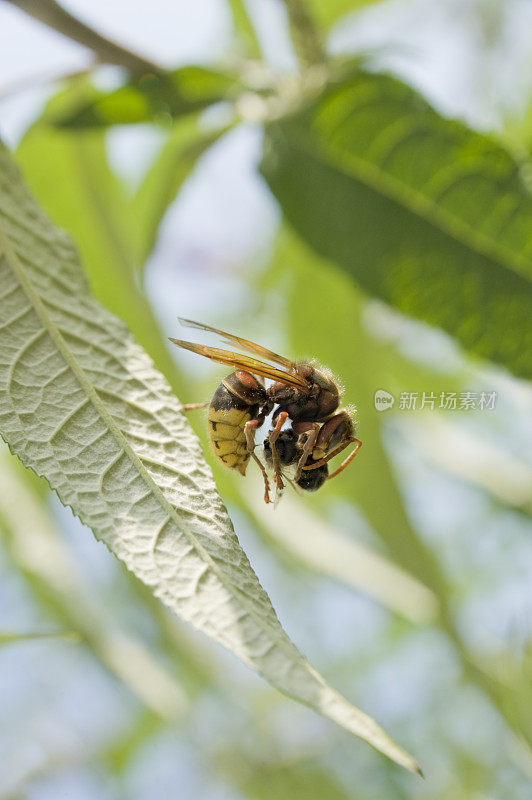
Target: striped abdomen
[{"x": 228, "y": 413}]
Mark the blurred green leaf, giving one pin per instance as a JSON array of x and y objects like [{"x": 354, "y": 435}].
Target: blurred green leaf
[
  {"x": 277, "y": 781},
  {"x": 446, "y": 444},
  {"x": 117, "y": 755},
  {"x": 244, "y": 27},
  {"x": 517, "y": 132},
  {"x": 82, "y": 405},
  {"x": 421, "y": 211},
  {"x": 328, "y": 12},
  {"x": 151, "y": 98}
]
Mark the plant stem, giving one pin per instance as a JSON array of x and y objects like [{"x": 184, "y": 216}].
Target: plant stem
[
  {"x": 56, "y": 17},
  {"x": 307, "y": 40},
  {"x": 244, "y": 25}
]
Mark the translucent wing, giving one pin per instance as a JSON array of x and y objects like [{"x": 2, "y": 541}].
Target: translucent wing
[
  {"x": 239, "y": 361},
  {"x": 245, "y": 344}
]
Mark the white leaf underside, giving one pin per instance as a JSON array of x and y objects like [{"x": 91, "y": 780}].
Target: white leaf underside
[{"x": 82, "y": 404}]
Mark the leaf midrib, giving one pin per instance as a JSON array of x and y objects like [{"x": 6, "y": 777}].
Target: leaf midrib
[
  {"x": 49, "y": 325},
  {"x": 421, "y": 205}
]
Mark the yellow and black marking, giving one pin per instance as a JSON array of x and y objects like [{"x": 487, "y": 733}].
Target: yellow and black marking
[{"x": 227, "y": 417}]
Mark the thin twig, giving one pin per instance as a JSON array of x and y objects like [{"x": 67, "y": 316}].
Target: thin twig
[
  {"x": 108, "y": 52},
  {"x": 307, "y": 40}
]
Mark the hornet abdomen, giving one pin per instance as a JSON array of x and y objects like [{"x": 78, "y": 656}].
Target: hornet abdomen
[{"x": 237, "y": 400}]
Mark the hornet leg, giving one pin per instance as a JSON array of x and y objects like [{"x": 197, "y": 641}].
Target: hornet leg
[
  {"x": 333, "y": 453},
  {"x": 273, "y": 436},
  {"x": 350, "y": 457},
  {"x": 307, "y": 448},
  {"x": 249, "y": 429}
]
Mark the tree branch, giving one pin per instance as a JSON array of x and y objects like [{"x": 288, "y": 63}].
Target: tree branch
[{"x": 108, "y": 52}]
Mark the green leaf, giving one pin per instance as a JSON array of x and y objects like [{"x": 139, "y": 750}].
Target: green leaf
[
  {"x": 422, "y": 212},
  {"x": 151, "y": 98},
  {"x": 327, "y": 13},
  {"x": 244, "y": 27},
  {"x": 297, "y": 780},
  {"x": 517, "y": 130},
  {"x": 82, "y": 404}
]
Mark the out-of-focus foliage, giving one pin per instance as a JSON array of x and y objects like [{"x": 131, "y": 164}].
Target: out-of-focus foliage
[
  {"x": 245, "y": 32},
  {"x": 421, "y": 211},
  {"x": 151, "y": 97},
  {"x": 270, "y": 781},
  {"x": 327, "y": 13}
]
